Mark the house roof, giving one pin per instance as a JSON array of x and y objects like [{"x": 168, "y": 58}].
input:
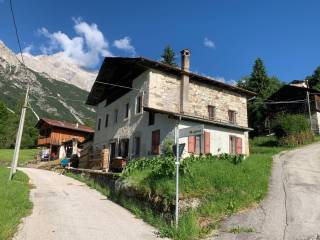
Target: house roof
[
  {"x": 200, "y": 119},
  {"x": 291, "y": 92},
  {"x": 121, "y": 71},
  {"x": 61, "y": 124}
]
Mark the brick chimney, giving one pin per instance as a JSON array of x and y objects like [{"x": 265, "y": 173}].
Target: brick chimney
[{"x": 184, "y": 89}]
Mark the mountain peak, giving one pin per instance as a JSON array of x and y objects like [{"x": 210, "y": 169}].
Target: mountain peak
[
  {"x": 8, "y": 55},
  {"x": 59, "y": 67},
  {"x": 56, "y": 66}
]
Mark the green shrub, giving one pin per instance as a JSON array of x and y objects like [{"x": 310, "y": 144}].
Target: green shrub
[
  {"x": 160, "y": 166},
  {"x": 292, "y": 130},
  {"x": 167, "y": 147}
]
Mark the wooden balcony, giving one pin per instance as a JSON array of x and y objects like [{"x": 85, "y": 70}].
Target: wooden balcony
[{"x": 47, "y": 141}]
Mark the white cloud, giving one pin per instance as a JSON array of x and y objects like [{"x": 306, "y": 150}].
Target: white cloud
[
  {"x": 28, "y": 49},
  {"x": 208, "y": 43},
  {"x": 125, "y": 44},
  {"x": 85, "y": 49}
]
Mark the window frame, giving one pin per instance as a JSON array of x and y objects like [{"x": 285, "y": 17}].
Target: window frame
[
  {"x": 233, "y": 114},
  {"x": 126, "y": 111},
  {"x": 106, "y": 123},
  {"x": 233, "y": 145},
  {"x": 137, "y": 153},
  {"x": 138, "y": 107},
  {"x": 99, "y": 124},
  {"x": 155, "y": 143},
  {"x": 151, "y": 118},
  {"x": 116, "y": 115},
  {"x": 211, "y": 109}
]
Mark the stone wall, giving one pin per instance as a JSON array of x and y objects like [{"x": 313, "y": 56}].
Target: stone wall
[
  {"x": 164, "y": 94},
  {"x": 202, "y": 95}
]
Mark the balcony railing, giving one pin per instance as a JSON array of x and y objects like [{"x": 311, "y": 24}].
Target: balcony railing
[{"x": 48, "y": 141}]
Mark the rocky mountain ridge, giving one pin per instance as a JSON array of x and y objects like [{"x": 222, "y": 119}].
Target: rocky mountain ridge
[{"x": 49, "y": 97}]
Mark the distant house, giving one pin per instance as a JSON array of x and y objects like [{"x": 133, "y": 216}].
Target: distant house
[
  {"x": 293, "y": 99},
  {"x": 53, "y": 133},
  {"x": 140, "y": 102}
]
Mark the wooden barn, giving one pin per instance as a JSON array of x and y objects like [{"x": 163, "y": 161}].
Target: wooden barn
[
  {"x": 295, "y": 98},
  {"x": 53, "y": 133}
]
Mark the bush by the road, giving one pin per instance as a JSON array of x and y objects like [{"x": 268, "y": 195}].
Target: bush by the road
[{"x": 292, "y": 130}]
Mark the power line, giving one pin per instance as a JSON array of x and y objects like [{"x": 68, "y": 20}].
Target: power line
[
  {"x": 284, "y": 102},
  {"x": 16, "y": 30},
  {"x": 24, "y": 108},
  {"x": 121, "y": 86}
]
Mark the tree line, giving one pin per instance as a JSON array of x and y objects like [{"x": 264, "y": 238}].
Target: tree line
[{"x": 9, "y": 122}]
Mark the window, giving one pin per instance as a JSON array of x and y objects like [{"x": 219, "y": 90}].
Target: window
[
  {"x": 126, "y": 114},
  {"x": 137, "y": 146},
  {"x": 232, "y": 116},
  {"x": 194, "y": 144},
  {"x": 99, "y": 124},
  {"x": 139, "y": 104},
  {"x": 235, "y": 145},
  {"x": 116, "y": 115},
  {"x": 232, "y": 146},
  {"x": 151, "y": 118},
  {"x": 124, "y": 147},
  {"x": 211, "y": 112},
  {"x": 155, "y": 145},
  {"x": 197, "y": 144},
  {"x": 107, "y": 120}
]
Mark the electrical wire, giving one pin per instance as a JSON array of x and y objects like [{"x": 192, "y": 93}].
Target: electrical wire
[
  {"x": 284, "y": 102},
  {"x": 117, "y": 85},
  {"x": 16, "y": 30}
]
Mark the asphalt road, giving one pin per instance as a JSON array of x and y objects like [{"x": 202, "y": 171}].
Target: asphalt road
[
  {"x": 67, "y": 209},
  {"x": 291, "y": 210}
]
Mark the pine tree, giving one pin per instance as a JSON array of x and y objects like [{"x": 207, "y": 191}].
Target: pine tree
[
  {"x": 168, "y": 56},
  {"x": 259, "y": 81},
  {"x": 263, "y": 86},
  {"x": 314, "y": 79}
]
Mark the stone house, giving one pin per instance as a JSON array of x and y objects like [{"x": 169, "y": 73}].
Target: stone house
[{"x": 140, "y": 102}]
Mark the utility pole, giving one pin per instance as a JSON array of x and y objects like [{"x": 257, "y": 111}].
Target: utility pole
[
  {"x": 14, "y": 162},
  {"x": 177, "y": 176},
  {"x": 308, "y": 102},
  {"x": 309, "y": 109}
]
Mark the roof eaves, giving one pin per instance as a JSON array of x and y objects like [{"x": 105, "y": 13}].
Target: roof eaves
[{"x": 199, "y": 119}]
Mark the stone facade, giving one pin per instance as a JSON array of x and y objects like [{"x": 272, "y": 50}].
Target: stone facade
[
  {"x": 161, "y": 91},
  {"x": 164, "y": 94}
]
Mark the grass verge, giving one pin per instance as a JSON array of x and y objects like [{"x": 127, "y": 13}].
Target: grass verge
[
  {"x": 14, "y": 202},
  {"x": 25, "y": 156},
  {"x": 222, "y": 187}
]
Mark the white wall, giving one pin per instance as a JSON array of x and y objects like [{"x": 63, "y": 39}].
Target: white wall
[
  {"x": 219, "y": 138},
  {"x": 135, "y": 124}
]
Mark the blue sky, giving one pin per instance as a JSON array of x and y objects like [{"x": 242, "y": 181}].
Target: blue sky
[{"x": 285, "y": 34}]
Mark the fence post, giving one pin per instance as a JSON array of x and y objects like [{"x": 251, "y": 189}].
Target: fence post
[{"x": 105, "y": 158}]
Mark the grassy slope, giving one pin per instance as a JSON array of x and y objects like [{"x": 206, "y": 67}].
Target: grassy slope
[
  {"x": 223, "y": 188},
  {"x": 14, "y": 202},
  {"x": 26, "y": 155}
]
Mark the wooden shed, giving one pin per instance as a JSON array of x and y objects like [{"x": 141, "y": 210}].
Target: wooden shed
[{"x": 52, "y": 133}]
